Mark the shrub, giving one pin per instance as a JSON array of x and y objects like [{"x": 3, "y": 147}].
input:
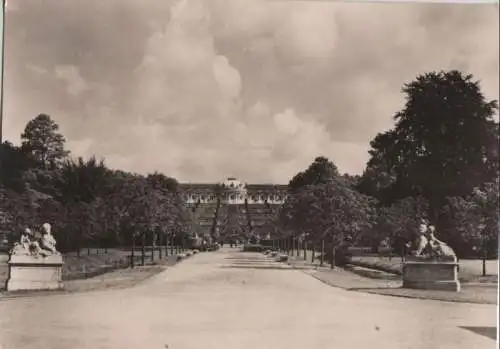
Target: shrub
[{"x": 253, "y": 248}]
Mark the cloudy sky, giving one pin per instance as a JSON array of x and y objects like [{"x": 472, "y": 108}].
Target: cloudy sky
[{"x": 205, "y": 89}]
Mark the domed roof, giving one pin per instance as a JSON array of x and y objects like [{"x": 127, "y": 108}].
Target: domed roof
[{"x": 232, "y": 183}]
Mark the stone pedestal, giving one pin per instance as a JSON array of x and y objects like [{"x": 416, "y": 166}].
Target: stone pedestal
[
  {"x": 431, "y": 275},
  {"x": 35, "y": 273}
]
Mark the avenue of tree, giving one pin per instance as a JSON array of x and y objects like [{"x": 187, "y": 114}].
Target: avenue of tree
[
  {"x": 87, "y": 203},
  {"x": 438, "y": 162}
]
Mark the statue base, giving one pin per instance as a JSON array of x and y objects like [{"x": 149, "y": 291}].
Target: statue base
[
  {"x": 431, "y": 275},
  {"x": 30, "y": 273}
]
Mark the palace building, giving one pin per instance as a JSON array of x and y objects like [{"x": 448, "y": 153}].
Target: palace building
[{"x": 233, "y": 208}]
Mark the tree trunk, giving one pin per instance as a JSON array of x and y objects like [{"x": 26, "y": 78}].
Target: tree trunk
[
  {"x": 132, "y": 253},
  {"x": 304, "y": 247},
  {"x": 484, "y": 265},
  {"x": 165, "y": 238},
  {"x": 107, "y": 235},
  {"x": 390, "y": 247},
  {"x": 160, "y": 250},
  {"x": 485, "y": 249},
  {"x": 143, "y": 250},
  {"x": 153, "y": 245},
  {"x": 332, "y": 262},
  {"x": 322, "y": 260}
]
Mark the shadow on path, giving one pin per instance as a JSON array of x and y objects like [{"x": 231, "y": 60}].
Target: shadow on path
[
  {"x": 254, "y": 267},
  {"x": 490, "y": 332},
  {"x": 249, "y": 260}
]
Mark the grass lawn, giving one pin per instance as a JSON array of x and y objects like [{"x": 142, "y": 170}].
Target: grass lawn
[
  {"x": 89, "y": 264},
  {"x": 470, "y": 270}
]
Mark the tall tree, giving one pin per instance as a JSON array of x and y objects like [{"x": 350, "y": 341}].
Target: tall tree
[
  {"x": 331, "y": 211},
  {"x": 160, "y": 181},
  {"x": 445, "y": 141},
  {"x": 379, "y": 179},
  {"x": 13, "y": 165},
  {"x": 43, "y": 141},
  {"x": 320, "y": 171},
  {"x": 82, "y": 180},
  {"x": 400, "y": 221},
  {"x": 470, "y": 224}
]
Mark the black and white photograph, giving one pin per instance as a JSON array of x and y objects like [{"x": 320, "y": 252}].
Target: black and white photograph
[{"x": 249, "y": 174}]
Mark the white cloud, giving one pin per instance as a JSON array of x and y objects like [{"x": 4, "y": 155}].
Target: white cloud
[
  {"x": 70, "y": 74},
  {"x": 202, "y": 89},
  {"x": 307, "y": 32},
  {"x": 36, "y": 69}
]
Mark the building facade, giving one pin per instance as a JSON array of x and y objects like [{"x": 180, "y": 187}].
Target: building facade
[
  {"x": 234, "y": 208},
  {"x": 231, "y": 191}
]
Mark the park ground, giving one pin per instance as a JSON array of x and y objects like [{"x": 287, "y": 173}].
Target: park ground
[
  {"x": 96, "y": 269},
  {"x": 229, "y": 299},
  {"x": 94, "y": 265},
  {"x": 367, "y": 278}
]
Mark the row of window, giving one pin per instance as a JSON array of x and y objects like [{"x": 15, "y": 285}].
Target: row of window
[{"x": 234, "y": 197}]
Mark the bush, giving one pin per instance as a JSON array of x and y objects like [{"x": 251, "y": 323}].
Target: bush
[
  {"x": 390, "y": 269},
  {"x": 253, "y": 248},
  {"x": 266, "y": 243},
  {"x": 342, "y": 256}
]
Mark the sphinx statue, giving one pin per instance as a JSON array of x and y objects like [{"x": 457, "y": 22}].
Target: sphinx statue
[
  {"x": 36, "y": 244},
  {"x": 428, "y": 247},
  {"x": 48, "y": 242},
  {"x": 23, "y": 246},
  {"x": 421, "y": 240},
  {"x": 34, "y": 263},
  {"x": 439, "y": 249}
]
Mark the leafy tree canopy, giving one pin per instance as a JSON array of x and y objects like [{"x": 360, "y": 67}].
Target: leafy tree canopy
[
  {"x": 444, "y": 142},
  {"x": 43, "y": 141},
  {"x": 320, "y": 171}
]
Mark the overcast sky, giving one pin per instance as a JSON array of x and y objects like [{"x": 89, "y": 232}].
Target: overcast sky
[{"x": 205, "y": 89}]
